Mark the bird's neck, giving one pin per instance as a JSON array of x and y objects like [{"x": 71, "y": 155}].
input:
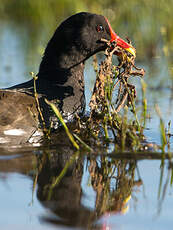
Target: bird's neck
[
  {"x": 62, "y": 78},
  {"x": 59, "y": 65}
]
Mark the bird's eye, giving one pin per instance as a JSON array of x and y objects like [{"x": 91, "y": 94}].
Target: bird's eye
[{"x": 99, "y": 28}]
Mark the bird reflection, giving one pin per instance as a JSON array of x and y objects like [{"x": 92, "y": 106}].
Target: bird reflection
[
  {"x": 63, "y": 177},
  {"x": 111, "y": 179}
]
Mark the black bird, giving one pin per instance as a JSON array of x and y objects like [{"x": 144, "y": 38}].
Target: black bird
[{"x": 60, "y": 79}]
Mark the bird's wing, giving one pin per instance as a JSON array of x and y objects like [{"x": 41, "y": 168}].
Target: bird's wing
[{"x": 18, "y": 116}]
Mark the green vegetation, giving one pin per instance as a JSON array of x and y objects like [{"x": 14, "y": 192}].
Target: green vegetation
[{"x": 58, "y": 114}]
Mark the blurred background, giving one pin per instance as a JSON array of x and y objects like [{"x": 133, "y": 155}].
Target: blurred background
[
  {"x": 147, "y": 22},
  {"x": 27, "y": 25}
]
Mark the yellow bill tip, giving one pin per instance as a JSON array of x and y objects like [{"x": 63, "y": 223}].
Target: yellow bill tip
[{"x": 131, "y": 50}]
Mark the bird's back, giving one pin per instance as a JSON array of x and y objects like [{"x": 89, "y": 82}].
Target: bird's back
[{"x": 18, "y": 116}]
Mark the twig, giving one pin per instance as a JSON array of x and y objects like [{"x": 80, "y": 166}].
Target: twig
[
  {"x": 37, "y": 101},
  {"x": 121, "y": 104}
]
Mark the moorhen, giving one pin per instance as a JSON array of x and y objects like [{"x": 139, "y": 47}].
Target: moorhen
[{"x": 60, "y": 79}]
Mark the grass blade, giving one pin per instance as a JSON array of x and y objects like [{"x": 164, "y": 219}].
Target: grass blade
[{"x": 58, "y": 114}]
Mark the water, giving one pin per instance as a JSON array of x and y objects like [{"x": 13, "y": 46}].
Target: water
[{"x": 89, "y": 196}]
